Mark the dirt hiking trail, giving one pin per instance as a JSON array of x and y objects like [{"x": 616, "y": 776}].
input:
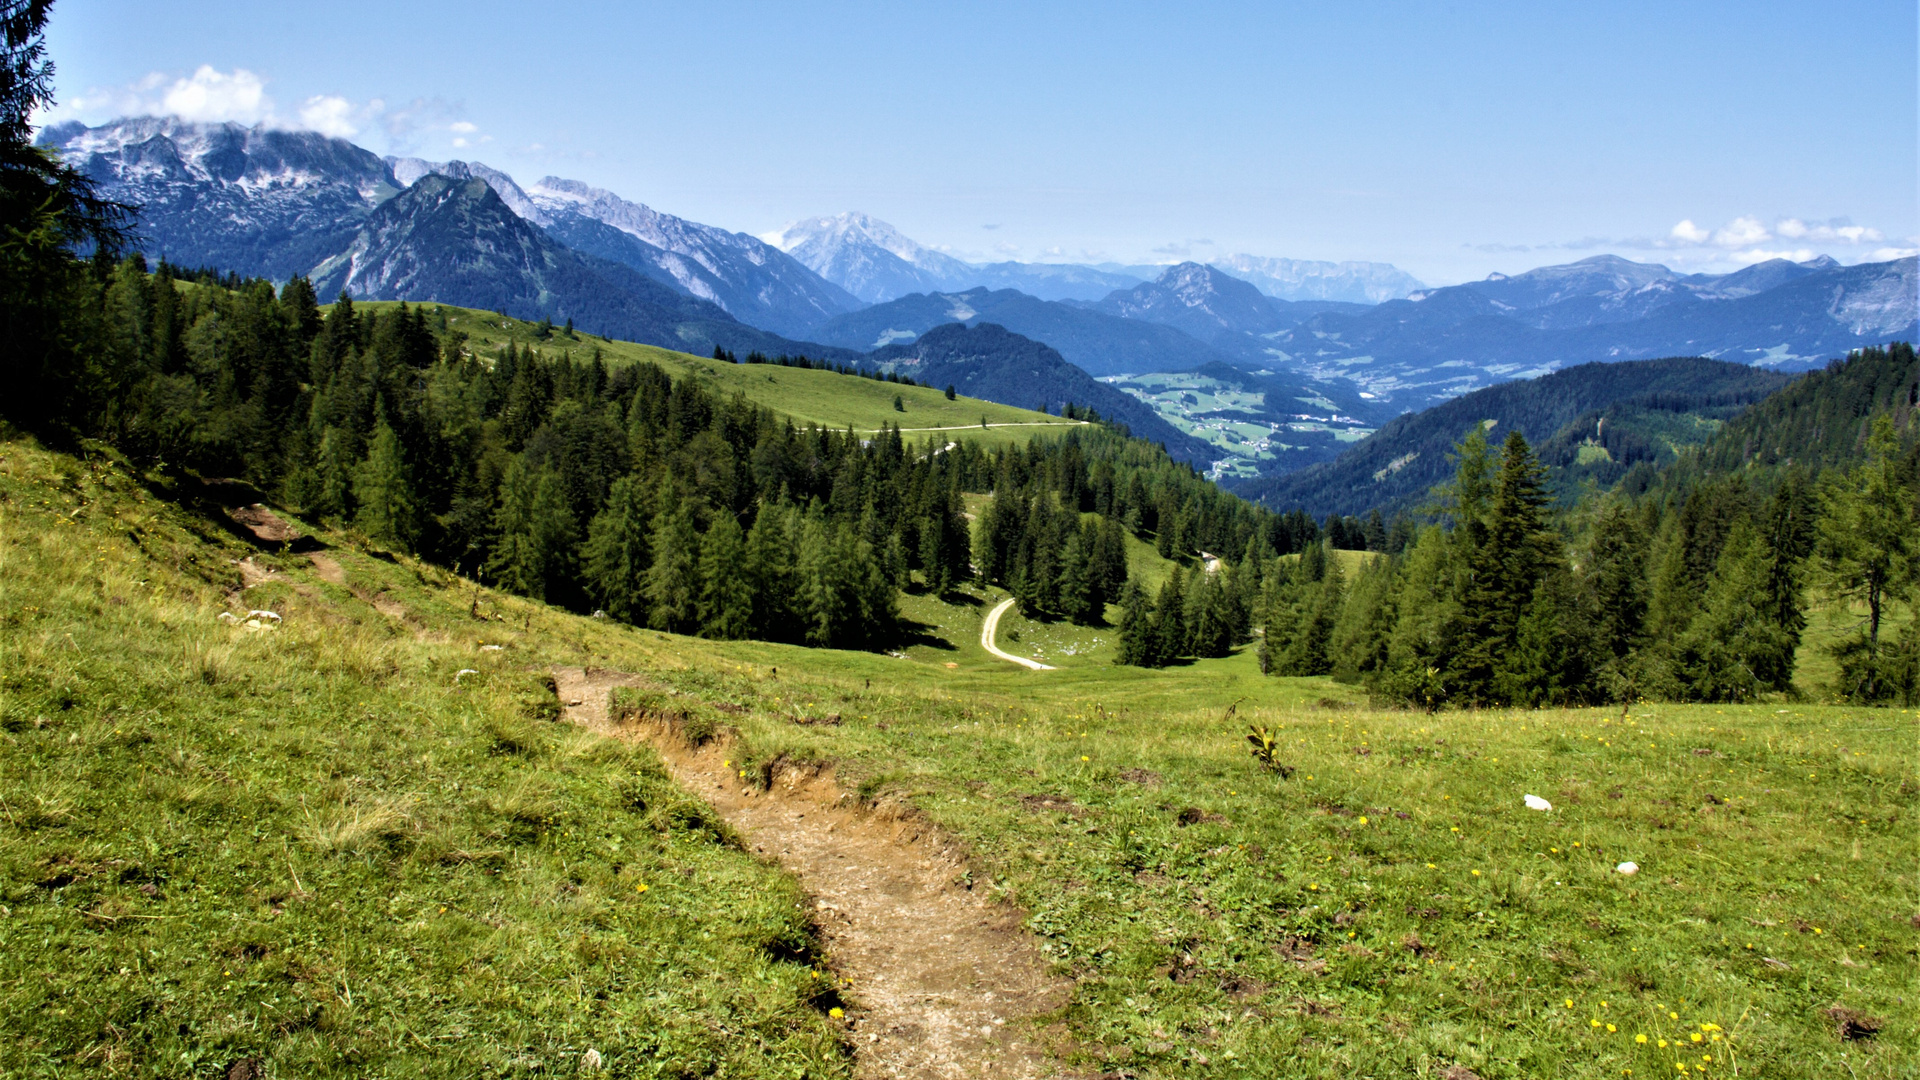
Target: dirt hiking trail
[{"x": 943, "y": 983}]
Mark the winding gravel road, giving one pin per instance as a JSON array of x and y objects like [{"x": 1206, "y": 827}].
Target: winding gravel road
[{"x": 991, "y": 625}]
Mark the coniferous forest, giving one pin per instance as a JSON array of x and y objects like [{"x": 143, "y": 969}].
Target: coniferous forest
[
  {"x": 549, "y": 474},
  {"x": 623, "y": 490},
  {"x": 1698, "y": 589}
]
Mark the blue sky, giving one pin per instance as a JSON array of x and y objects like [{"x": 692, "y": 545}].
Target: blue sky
[{"x": 1450, "y": 139}]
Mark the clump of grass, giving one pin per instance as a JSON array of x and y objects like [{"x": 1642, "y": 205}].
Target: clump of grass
[{"x": 350, "y": 828}]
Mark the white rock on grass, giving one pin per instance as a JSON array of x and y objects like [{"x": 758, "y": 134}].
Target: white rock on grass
[
  {"x": 1535, "y": 802},
  {"x": 1628, "y": 868}
]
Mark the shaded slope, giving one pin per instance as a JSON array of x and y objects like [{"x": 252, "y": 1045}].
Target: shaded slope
[{"x": 991, "y": 362}]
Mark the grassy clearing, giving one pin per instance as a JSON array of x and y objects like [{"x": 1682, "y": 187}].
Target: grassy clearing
[
  {"x": 809, "y": 397},
  {"x": 1389, "y": 909}
]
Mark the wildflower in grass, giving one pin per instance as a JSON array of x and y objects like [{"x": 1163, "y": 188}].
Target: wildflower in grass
[
  {"x": 1084, "y": 757},
  {"x": 1569, "y": 1003},
  {"x": 836, "y": 1012},
  {"x": 1663, "y": 1044},
  {"x": 1476, "y": 873},
  {"x": 1641, "y": 1039},
  {"x": 636, "y": 888},
  {"x": 1695, "y": 1036},
  {"x": 1594, "y": 1023},
  {"x": 1611, "y": 1029}
]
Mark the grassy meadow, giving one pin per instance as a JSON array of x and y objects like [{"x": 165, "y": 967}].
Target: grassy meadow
[{"x": 358, "y": 844}]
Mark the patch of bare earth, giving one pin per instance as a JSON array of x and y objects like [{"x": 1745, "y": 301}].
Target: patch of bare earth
[{"x": 944, "y": 983}]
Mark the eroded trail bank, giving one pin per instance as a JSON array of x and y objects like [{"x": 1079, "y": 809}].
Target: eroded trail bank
[{"x": 944, "y": 984}]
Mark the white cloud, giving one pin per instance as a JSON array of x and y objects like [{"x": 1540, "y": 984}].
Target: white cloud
[
  {"x": 1688, "y": 233},
  {"x": 209, "y": 96},
  {"x": 329, "y": 116},
  {"x": 240, "y": 96},
  {"x": 1832, "y": 232},
  {"x": 1746, "y": 233},
  {"x": 1741, "y": 232},
  {"x": 1887, "y": 254}
]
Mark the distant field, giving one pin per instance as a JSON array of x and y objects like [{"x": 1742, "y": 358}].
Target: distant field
[
  {"x": 809, "y": 397},
  {"x": 358, "y": 845},
  {"x": 1245, "y": 427}
]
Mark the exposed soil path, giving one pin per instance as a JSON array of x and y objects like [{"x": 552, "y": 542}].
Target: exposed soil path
[
  {"x": 944, "y": 983},
  {"x": 991, "y": 626}
]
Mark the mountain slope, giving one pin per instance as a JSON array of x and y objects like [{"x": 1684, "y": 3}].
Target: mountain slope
[
  {"x": 1201, "y": 300},
  {"x": 868, "y": 257},
  {"x": 1823, "y": 418},
  {"x": 991, "y": 362},
  {"x": 1100, "y": 343},
  {"x": 457, "y": 242},
  {"x": 754, "y": 281},
  {"x": 1394, "y": 468},
  {"x": 256, "y": 201}
]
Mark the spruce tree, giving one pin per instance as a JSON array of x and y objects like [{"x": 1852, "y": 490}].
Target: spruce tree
[
  {"x": 1733, "y": 650},
  {"x": 1869, "y": 549},
  {"x": 1078, "y": 592},
  {"x": 1505, "y": 568},
  {"x": 770, "y": 570},
  {"x": 617, "y": 555},
  {"x": 387, "y": 510},
  {"x": 1136, "y": 628},
  {"x": 1170, "y": 620},
  {"x": 673, "y": 580},
  {"x": 536, "y": 531},
  {"x": 726, "y": 594}
]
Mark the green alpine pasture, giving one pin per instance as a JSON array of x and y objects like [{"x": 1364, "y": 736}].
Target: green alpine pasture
[
  {"x": 359, "y": 843},
  {"x": 808, "y": 396}
]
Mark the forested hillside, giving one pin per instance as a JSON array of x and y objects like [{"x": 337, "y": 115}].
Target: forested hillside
[
  {"x": 558, "y": 476},
  {"x": 1696, "y": 586},
  {"x": 1594, "y": 420}
]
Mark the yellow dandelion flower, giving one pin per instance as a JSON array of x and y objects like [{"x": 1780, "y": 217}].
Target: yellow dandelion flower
[
  {"x": 1594, "y": 1023},
  {"x": 836, "y": 1012},
  {"x": 1641, "y": 1039},
  {"x": 1611, "y": 1029},
  {"x": 1476, "y": 873},
  {"x": 1662, "y": 1044},
  {"x": 1695, "y": 1036},
  {"x": 1569, "y": 1003},
  {"x": 1673, "y": 1016},
  {"x": 639, "y": 888},
  {"x": 1084, "y": 757}
]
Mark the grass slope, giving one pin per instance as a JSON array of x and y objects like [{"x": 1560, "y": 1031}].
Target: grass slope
[
  {"x": 808, "y": 396},
  {"x": 1389, "y": 909},
  {"x": 322, "y": 847}
]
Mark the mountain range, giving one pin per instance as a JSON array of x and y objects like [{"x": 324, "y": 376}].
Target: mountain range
[
  {"x": 1334, "y": 348},
  {"x": 1441, "y": 343}
]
